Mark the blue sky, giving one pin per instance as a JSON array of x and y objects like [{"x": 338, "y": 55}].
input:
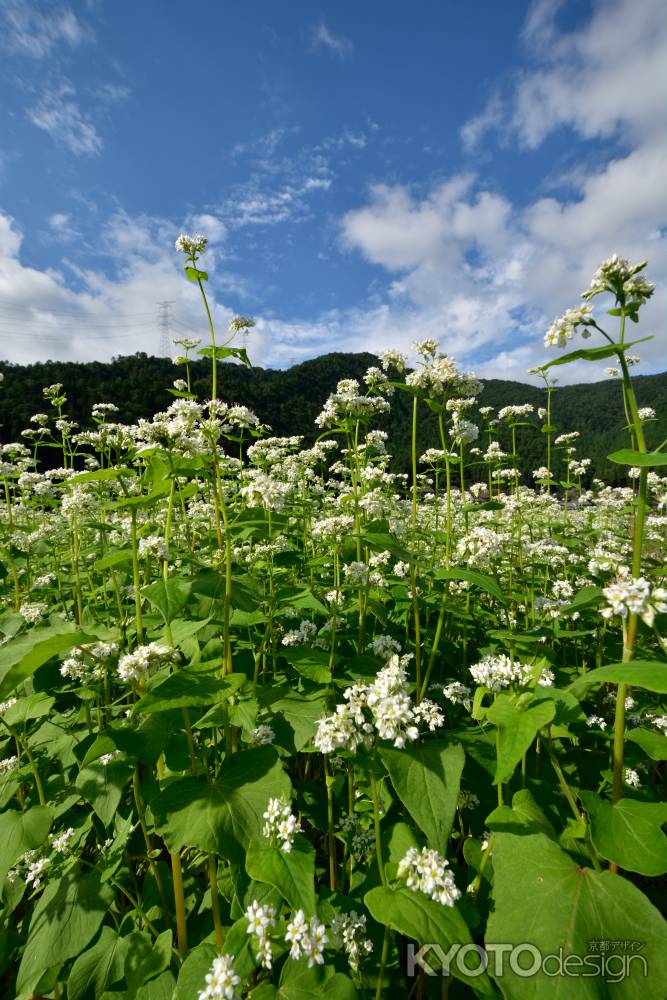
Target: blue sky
[{"x": 367, "y": 173}]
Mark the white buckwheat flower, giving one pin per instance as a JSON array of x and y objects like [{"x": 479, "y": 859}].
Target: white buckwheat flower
[
  {"x": 428, "y": 872},
  {"x": 281, "y": 823},
  {"x": 221, "y": 981}
]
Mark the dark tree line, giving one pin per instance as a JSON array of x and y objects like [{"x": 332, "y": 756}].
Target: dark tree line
[{"x": 290, "y": 400}]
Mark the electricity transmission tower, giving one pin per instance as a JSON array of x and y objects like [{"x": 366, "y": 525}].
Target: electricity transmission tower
[{"x": 163, "y": 320}]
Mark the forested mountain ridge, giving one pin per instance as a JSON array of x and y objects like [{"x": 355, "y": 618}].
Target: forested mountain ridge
[{"x": 289, "y": 400}]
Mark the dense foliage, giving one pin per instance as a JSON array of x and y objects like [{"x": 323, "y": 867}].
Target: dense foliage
[
  {"x": 277, "y": 721},
  {"x": 289, "y": 401}
]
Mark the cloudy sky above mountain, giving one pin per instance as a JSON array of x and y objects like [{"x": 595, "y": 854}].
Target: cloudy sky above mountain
[{"x": 366, "y": 174}]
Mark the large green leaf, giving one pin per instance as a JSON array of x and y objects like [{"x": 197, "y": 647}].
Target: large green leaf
[
  {"x": 97, "y": 968},
  {"x": 629, "y": 832},
  {"x": 102, "y": 786},
  {"x": 518, "y": 724},
  {"x": 652, "y": 743},
  {"x": 21, "y": 832},
  {"x": 523, "y": 817},
  {"x": 66, "y": 917},
  {"x": 427, "y": 781},
  {"x": 428, "y": 923},
  {"x": 481, "y": 580},
  {"x": 224, "y": 816},
  {"x": 592, "y": 353},
  {"x": 185, "y": 689},
  {"x": 641, "y": 459},
  {"x": 20, "y": 657},
  {"x": 168, "y": 596},
  {"x": 145, "y": 959},
  {"x": 292, "y": 873},
  {"x": 543, "y": 899},
  {"x": 648, "y": 674}
]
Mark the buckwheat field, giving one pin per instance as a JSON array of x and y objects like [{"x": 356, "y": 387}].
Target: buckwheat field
[{"x": 277, "y": 722}]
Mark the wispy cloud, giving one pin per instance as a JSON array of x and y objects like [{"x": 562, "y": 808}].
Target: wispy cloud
[
  {"x": 30, "y": 30},
  {"x": 58, "y": 114},
  {"x": 324, "y": 37}
]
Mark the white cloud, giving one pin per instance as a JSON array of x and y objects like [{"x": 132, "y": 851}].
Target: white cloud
[
  {"x": 34, "y": 32},
  {"x": 323, "y": 37},
  {"x": 210, "y": 225},
  {"x": 58, "y": 114},
  {"x": 604, "y": 79}
]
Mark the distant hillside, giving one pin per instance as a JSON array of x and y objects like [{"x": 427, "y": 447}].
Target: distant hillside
[{"x": 290, "y": 400}]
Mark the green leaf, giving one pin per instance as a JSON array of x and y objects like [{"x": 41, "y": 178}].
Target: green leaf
[
  {"x": 593, "y": 353},
  {"x": 194, "y": 274},
  {"x": 652, "y": 743},
  {"x": 100, "y": 475},
  {"x": 641, "y": 459},
  {"x": 224, "y": 816},
  {"x": 648, "y": 674},
  {"x": 33, "y": 706},
  {"x": 291, "y": 873},
  {"x": 186, "y": 689},
  {"x": 145, "y": 958},
  {"x": 427, "y": 781},
  {"x": 102, "y": 786},
  {"x": 310, "y": 663},
  {"x": 116, "y": 558},
  {"x": 518, "y": 724},
  {"x": 65, "y": 918},
  {"x": 21, "y": 832},
  {"x": 481, "y": 580},
  {"x": 301, "y": 713},
  {"x": 161, "y": 988},
  {"x": 193, "y": 971},
  {"x": 22, "y": 656},
  {"x": 298, "y": 982},
  {"x": 423, "y": 920},
  {"x": 168, "y": 596},
  {"x": 524, "y": 816},
  {"x": 629, "y": 832},
  {"x": 97, "y": 968},
  {"x": 543, "y": 898}
]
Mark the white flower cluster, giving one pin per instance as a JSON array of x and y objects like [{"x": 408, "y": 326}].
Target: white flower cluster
[
  {"x": 78, "y": 666},
  {"x": 300, "y": 636},
  {"x": 393, "y": 359},
  {"x": 457, "y": 693},
  {"x": 8, "y": 764},
  {"x": 348, "y": 403},
  {"x": 133, "y": 667},
  {"x": 515, "y": 411},
  {"x": 597, "y": 721},
  {"x": 627, "y": 594},
  {"x": 281, "y": 823},
  {"x": 499, "y": 671},
  {"x": 349, "y": 932},
  {"x": 631, "y": 778},
  {"x": 221, "y": 980},
  {"x": 392, "y": 714},
  {"x": 306, "y": 938},
  {"x": 261, "y": 920},
  {"x": 262, "y": 735},
  {"x": 153, "y": 546},
  {"x": 427, "y": 871},
  {"x": 33, "y": 612},
  {"x": 563, "y": 329},
  {"x": 191, "y": 245},
  {"x": 467, "y": 800},
  {"x": 385, "y": 646},
  {"x": 618, "y": 276},
  {"x": 61, "y": 841}
]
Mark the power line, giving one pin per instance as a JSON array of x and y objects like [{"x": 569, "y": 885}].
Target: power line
[{"x": 75, "y": 313}]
